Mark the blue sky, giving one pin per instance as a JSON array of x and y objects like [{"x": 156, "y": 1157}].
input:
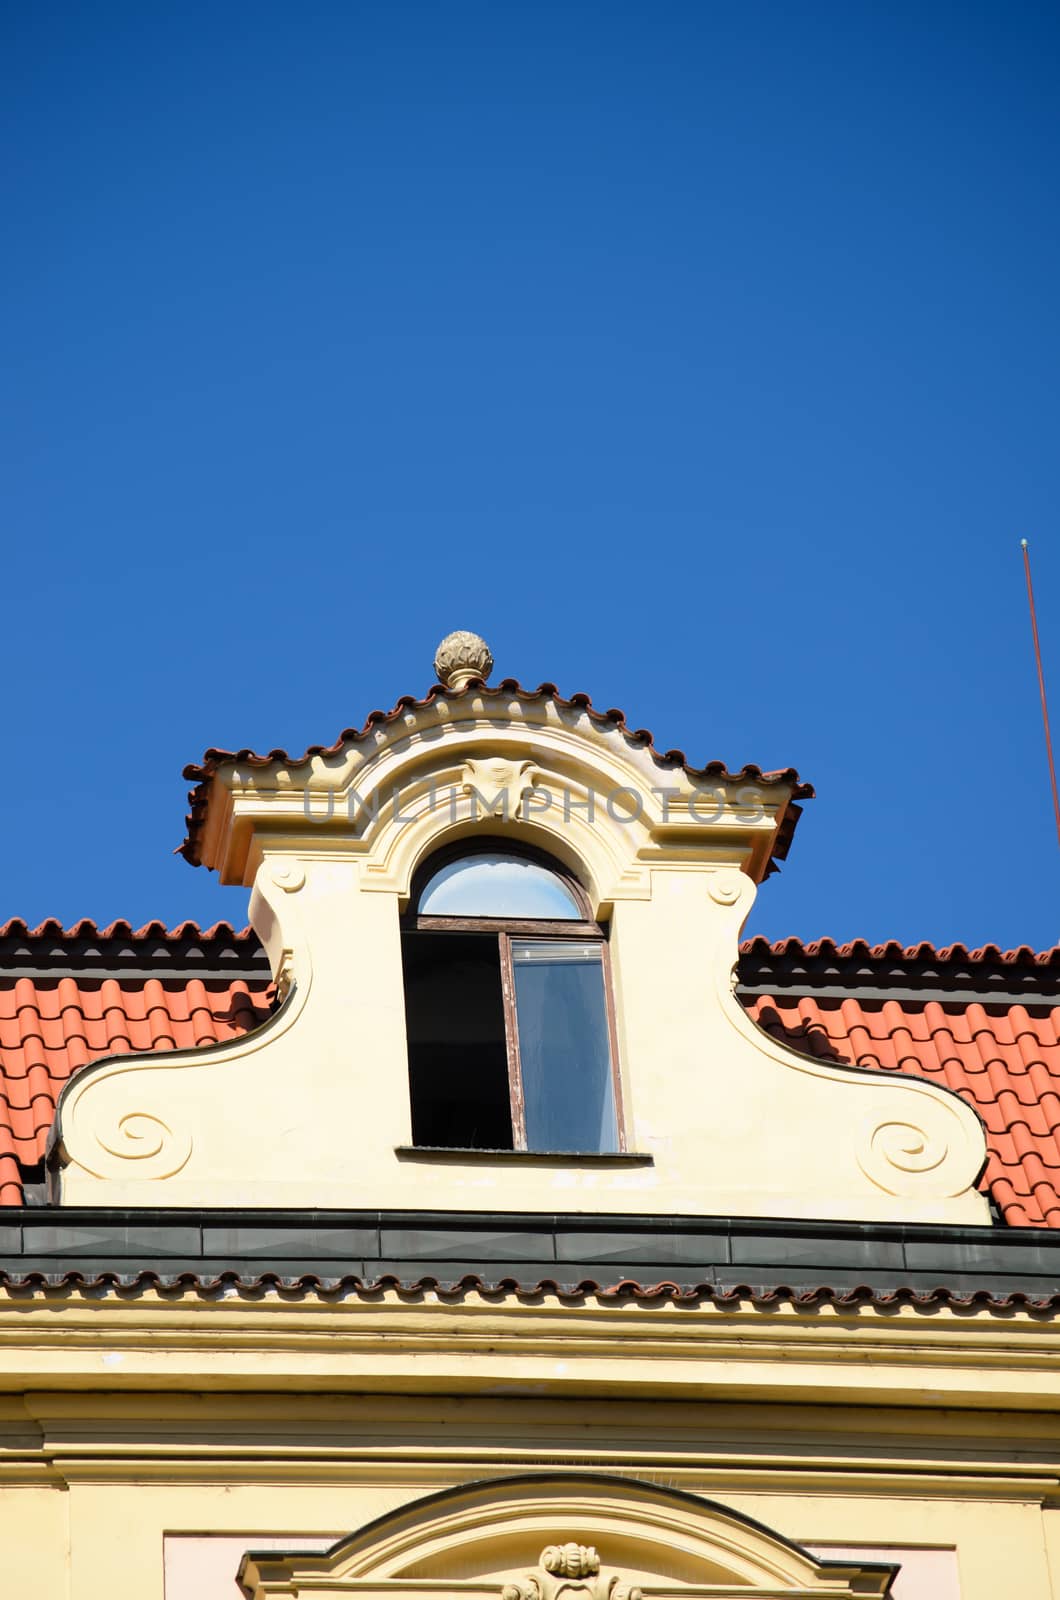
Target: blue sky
[{"x": 704, "y": 357}]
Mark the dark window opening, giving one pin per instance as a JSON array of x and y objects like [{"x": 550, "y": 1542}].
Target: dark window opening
[{"x": 458, "y": 1060}]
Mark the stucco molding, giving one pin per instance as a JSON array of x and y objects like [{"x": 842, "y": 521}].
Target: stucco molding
[
  {"x": 361, "y": 793},
  {"x": 978, "y": 1361},
  {"x": 468, "y": 1542},
  {"x": 570, "y": 1568}
]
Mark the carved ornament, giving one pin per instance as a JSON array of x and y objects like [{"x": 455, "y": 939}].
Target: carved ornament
[
  {"x": 568, "y": 1569},
  {"x": 498, "y": 786},
  {"x": 460, "y": 657}
]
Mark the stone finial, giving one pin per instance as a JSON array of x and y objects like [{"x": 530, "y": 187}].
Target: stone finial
[{"x": 460, "y": 657}]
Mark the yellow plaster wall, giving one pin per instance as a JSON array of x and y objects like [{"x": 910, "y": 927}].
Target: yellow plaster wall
[
  {"x": 208, "y": 1418},
  {"x": 35, "y": 1555},
  {"x": 99, "y": 1533}
]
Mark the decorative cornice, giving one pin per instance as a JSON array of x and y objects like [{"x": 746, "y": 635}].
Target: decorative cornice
[
  {"x": 455, "y": 704},
  {"x": 352, "y": 1439}
]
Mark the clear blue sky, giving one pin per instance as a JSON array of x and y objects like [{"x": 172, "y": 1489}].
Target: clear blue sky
[{"x": 704, "y": 357}]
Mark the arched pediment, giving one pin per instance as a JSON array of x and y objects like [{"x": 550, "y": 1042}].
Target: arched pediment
[
  {"x": 577, "y": 1536},
  {"x": 560, "y": 774},
  {"x": 370, "y": 785}
]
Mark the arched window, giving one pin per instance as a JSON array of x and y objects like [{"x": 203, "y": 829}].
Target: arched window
[{"x": 508, "y": 1007}]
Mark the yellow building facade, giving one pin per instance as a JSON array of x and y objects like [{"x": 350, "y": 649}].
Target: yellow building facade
[{"x": 507, "y": 1256}]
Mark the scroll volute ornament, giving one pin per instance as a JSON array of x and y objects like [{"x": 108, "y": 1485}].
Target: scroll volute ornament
[{"x": 570, "y": 1569}]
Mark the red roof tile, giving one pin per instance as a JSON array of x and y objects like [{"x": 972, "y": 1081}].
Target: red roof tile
[
  {"x": 69, "y": 996},
  {"x": 508, "y": 689}
]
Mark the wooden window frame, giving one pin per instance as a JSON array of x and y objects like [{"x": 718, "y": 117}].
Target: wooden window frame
[{"x": 582, "y": 931}]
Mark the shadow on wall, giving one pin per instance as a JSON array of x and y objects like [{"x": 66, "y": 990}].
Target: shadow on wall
[{"x": 809, "y": 1038}]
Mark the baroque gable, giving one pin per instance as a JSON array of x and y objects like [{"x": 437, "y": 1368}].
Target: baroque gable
[{"x": 313, "y": 1108}]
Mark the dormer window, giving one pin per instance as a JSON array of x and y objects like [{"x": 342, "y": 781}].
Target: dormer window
[{"x": 508, "y": 1007}]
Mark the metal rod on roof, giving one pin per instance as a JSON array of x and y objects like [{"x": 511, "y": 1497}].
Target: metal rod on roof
[{"x": 1041, "y": 685}]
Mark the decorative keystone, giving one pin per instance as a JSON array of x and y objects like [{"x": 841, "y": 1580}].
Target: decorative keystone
[
  {"x": 570, "y": 1560},
  {"x": 570, "y": 1570},
  {"x": 461, "y": 657}
]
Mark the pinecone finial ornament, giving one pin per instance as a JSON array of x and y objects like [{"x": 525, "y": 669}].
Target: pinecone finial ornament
[{"x": 460, "y": 657}]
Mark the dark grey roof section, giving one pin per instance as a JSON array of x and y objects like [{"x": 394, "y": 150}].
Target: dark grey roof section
[
  {"x": 89, "y": 954},
  {"x": 720, "y": 1253},
  {"x": 920, "y": 973},
  {"x": 900, "y": 992},
  {"x": 829, "y": 971}
]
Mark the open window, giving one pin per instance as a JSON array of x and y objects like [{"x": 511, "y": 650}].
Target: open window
[{"x": 508, "y": 1008}]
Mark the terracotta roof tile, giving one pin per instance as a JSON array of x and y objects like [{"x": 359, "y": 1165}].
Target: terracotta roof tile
[{"x": 508, "y": 689}]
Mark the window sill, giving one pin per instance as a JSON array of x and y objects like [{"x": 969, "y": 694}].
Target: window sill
[{"x": 592, "y": 1158}]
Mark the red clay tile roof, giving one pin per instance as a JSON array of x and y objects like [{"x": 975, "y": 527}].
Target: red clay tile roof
[
  {"x": 980, "y": 1022},
  {"x": 508, "y": 689}
]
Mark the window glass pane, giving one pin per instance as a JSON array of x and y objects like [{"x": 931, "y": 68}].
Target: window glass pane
[
  {"x": 564, "y": 1052},
  {"x": 497, "y": 885}
]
